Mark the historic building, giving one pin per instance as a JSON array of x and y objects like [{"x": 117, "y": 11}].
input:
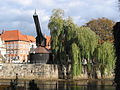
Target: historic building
[
  {"x": 17, "y": 45},
  {"x": 2, "y": 49}
]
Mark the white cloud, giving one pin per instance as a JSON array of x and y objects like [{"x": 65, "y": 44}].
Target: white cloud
[
  {"x": 25, "y": 2},
  {"x": 17, "y": 14},
  {"x": 46, "y": 2},
  {"x": 74, "y": 4}
]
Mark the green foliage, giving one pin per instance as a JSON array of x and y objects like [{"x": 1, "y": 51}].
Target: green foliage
[
  {"x": 76, "y": 60},
  {"x": 62, "y": 33},
  {"x": 69, "y": 33},
  {"x": 87, "y": 41},
  {"x": 106, "y": 57}
]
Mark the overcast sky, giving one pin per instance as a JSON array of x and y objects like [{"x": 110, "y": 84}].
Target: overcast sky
[{"x": 17, "y": 14}]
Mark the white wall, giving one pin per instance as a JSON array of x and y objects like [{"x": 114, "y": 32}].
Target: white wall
[{"x": 2, "y": 48}]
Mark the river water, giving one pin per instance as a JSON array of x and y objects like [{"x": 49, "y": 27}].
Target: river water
[{"x": 59, "y": 85}]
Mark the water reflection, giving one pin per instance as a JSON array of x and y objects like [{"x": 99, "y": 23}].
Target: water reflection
[
  {"x": 59, "y": 85},
  {"x": 33, "y": 85}
]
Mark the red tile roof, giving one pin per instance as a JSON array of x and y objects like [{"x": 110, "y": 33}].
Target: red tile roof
[
  {"x": 30, "y": 38},
  {"x": 48, "y": 40},
  {"x": 16, "y": 35}
]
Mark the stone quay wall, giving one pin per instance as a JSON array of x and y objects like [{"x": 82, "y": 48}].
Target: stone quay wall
[{"x": 29, "y": 71}]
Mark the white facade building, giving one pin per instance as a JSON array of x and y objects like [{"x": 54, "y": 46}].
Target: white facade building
[{"x": 2, "y": 49}]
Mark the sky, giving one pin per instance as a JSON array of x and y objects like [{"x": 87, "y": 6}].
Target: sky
[{"x": 18, "y": 14}]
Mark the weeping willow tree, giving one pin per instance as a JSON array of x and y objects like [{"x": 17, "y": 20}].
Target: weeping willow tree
[
  {"x": 62, "y": 35},
  {"x": 87, "y": 41},
  {"x": 76, "y": 60},
  {"x": 105, "y": 58},
  {"x": 56, "y": 30}
]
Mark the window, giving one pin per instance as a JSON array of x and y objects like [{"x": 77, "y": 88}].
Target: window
[
  {"x": 15, "y": 52},
  {"x": 12, "y": 45},
  {"x": 8, "y": 52},
  {"x": 15, "y": 45}
]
